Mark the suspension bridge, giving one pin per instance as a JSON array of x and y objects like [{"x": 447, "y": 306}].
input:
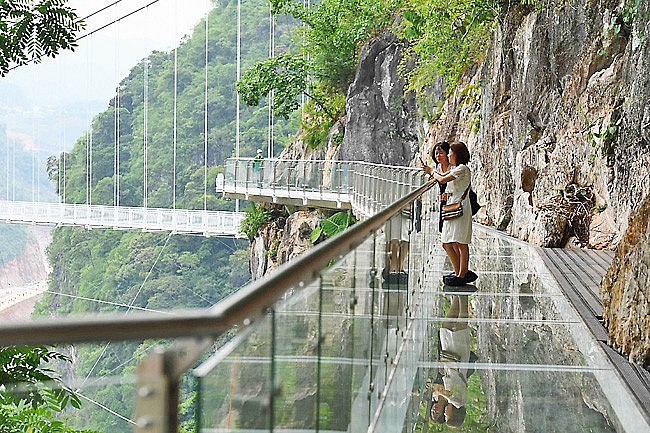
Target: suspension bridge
[{"x": 92, "y": 176}]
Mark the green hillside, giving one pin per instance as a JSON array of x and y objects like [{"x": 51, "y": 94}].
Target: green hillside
[{"x": 122, "y": 271}]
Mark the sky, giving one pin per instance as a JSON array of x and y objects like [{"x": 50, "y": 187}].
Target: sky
[{"x": 59, "y": 96}]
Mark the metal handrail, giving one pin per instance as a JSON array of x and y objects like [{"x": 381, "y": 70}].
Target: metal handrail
[{"x": 242, "y": 307}]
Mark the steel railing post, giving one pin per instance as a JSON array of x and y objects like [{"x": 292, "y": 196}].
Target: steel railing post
[{"x": 274, "y": 180}]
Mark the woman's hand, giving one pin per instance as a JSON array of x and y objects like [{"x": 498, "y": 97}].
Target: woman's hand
[
  {"x": 444, "y": 196},
  {"x": 428, "y": 170}
]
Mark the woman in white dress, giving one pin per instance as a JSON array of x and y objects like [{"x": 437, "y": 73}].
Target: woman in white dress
[{"x": 457, "y": 233}]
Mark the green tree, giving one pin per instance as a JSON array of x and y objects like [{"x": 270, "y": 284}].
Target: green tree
[
  {"x": 448, "y": 36},
  {"x": 26, "y": 402},
  {"x": 327, "y": 52},
  {"x": 31, "y": 30}
]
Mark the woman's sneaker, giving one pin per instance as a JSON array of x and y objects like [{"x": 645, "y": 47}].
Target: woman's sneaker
[
  {"x": 446, "y": 277},
  {"x": 455, "y": 281},
  {"x": 470, "y": 277}
]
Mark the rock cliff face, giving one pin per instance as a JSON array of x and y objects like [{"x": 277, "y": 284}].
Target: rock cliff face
[
  {"x": 626, "y": 289},
  {"x": 557, "y": 121},
  {"x": 382, "y": 122},
  {"x": 556, "y": 118},
  {"x": 280, "y": 240},
  {"x": 31, "y": 265}
]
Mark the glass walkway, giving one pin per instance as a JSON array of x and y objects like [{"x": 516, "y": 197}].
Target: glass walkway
[
  {"x": 354, "y": 351},
  {"x": 345, "y": 338}
]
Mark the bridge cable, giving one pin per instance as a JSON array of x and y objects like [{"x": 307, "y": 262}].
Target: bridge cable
[
  {"x": 101, "y": 301},
  {"x": 145, "y": 126},
  {"x": 117, "y": 20},
  {"x": 130, "y": 305},
  {"x": 116, "y": 164},
  {"x": 269, "y": 98},
  {"x": 175, "y": 136},
  {"x": 101, "y": 10},
  {"x": 205, "y": 119},
  {"x": 90, "y": 127},
  {"x": 238, "y": 61},
  {"x": 107, "y": 409}
]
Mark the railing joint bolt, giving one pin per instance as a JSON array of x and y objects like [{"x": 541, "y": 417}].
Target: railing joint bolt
[
  {"x": 145, "y": 391},
  {"x": 144, "y": 422}
]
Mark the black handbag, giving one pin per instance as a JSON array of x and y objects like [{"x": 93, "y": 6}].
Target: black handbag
[{"x": 473, "y": 202}]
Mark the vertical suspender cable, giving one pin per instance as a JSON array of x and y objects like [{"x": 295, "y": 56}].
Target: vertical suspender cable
[
  {"x": 35, "y": 135},
  {"x": 271, "y": 123},
  {"x": 38, "y": 164},
  {"x": 175, "y": 137},
  {"x": 302, "y": 95},
  {"x": 269, "y": 97},
  {"x": 13, "y": 171},
  {"x": 205, "y": 120},
  {"x": 60, "y": 168},
  {"x": 65, "y": 136},
  {"x": 115, "y": 110},
  {"x": 90, "y": 132},
  {"x": 7, "y": 165},
  {"x": 145, "y": 120},
  {"x": 237, "y": 93},
  {"x": 116, "y": 181},
  {"x": 145, "y": 90}
]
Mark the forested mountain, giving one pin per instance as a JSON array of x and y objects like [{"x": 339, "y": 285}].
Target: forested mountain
[
  {"x": 104, "y": 270},
  {"x": 148, "y": 93}
]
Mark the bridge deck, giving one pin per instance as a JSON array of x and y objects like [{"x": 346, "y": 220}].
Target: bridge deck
[
  {"x": 208, "y": 223},
  {"x": 579, "y": 274}
]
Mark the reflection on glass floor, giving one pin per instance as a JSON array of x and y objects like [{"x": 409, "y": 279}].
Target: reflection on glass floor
[
  {"x": 357, "y": 351},
  {"x": 511, "y": 355}
]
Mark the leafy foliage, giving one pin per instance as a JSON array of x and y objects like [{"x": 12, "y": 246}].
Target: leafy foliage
[
  {"x": 331, "y": 226},
  {"x": 255, "y": 217},
  {"x": 316, "y": 122},
  {"x": 334, "y": 32},
  {"x": 284, "y": 75},
  {"x": 448, "y": 36},
  {"x": 31, "y": 30},
  {"x": 35, "y": 408},
  {"x": 322, "y": 65}
]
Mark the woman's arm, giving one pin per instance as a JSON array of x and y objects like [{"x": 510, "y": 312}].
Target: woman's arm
[{"x": 444, "y": 178}]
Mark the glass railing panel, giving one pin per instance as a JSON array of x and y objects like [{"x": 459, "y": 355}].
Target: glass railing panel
[
  {"x": 353, "y": 335},
  {"x": 281, "y": 174},
  {"x": 230, "y": 173},
  {"x": 235, "y": 385},
  {"x": 296, "y": 336},
  {"x": 93, "y": 388}
]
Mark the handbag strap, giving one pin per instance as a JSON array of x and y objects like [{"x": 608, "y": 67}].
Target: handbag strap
[{"x": 466, "y": 191}]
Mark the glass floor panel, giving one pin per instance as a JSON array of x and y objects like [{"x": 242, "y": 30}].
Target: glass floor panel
[{"x": 359, "y": 350}]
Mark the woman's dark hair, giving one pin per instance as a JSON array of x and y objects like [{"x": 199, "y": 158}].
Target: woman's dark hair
[
  {"x": 443, "y": 145},
  {"x": 460, "y": 149}
]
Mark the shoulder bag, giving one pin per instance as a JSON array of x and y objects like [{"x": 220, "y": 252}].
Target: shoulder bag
[{"x": 454, "y": 210}]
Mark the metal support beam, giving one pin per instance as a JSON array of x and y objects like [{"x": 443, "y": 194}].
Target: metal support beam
[{"x": 158, "y": 385}]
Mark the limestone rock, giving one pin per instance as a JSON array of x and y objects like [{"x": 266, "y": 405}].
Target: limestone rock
[
  {"x": 556, "y": 103},
  {"x": 280, "y": 240},
  {"x": 626, "y": 289},
  {"x": 381, "y": 124}
]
